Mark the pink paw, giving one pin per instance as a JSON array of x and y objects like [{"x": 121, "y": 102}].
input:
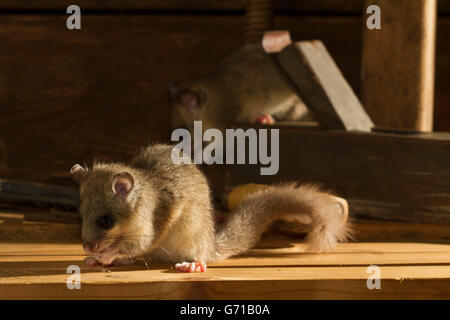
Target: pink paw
[
  {"x": 191, "y": 267},
  {"x": 265, "y": 119}
]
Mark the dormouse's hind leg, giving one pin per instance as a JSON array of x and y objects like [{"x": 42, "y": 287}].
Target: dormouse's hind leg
[{"x": 191, "y": 266}]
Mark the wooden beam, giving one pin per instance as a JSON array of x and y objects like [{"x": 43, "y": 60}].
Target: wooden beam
[
  {"x": 408, "y": 271},
  {"x": 38, "y": 195},
  {"x": 384, "y": 176},
  {"x": 370, "y": 230},
  {"x": 293, "y": 6},
  {"x": 81, "y": 107},
  {"x": 398, "y": 65},
  {"x": 322, "y": 86},
  {"x": 83, "y": 125},
  {"x": 14, "y": 228}
]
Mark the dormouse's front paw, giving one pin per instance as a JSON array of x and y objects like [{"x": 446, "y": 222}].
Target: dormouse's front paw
[{"x": 191, "y": 266}]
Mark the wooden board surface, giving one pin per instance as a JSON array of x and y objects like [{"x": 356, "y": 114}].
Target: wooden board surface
[
  {"x": 320, "y": 83},
  {"x": 366, "y": 230},
  {"x": 384, "y": 176},
  {"x": 100, "y": 93},
  {"x": 442, "y": 76},
  {"x": 297, "y": 6},
  {"x": 398, "y": 62},
  {"x": 14, "y": 229},
  {"x": 408, "y": 271},
  {"x": 34, "y": 258}
]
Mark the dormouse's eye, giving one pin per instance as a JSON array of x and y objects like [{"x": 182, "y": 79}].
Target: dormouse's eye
[{"x": 105, "y": 222}]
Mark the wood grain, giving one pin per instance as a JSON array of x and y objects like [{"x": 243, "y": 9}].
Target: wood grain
[
  {"x": 99, "y": 93},
  {"x": 366, "y": 230},
  {"x": 322, "y": 86},
  {"x": 72, "y": 97},
  {"x": 14, "y": 229},
  {"x": 34, "y": 258},
  {"x": 38, "y": 195},
  {"x": 292, "y": 6},
  {"x": 398, "y": 65},
  {"x": 442, "y": 92},
  {"x": 39, "y": 272},
  {"x": 69, "y": 97},
  {"x": 384, "y": 176}
]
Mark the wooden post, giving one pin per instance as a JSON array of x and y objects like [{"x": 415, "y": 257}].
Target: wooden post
[
  {"x": 322, "y": 86},
  {"x": 398, "y": 64},
  {"x": 259, "y": 19}
]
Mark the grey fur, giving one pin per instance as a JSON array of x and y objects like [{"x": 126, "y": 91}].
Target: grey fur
[{"x": 247, "y": 84}]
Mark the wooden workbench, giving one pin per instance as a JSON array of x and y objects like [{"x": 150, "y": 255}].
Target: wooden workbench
[{"x": 34, "y": 258}]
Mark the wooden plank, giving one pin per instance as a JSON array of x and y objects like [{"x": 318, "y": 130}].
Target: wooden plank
[
  {"x": 39, "y": 272},
  {"x": 156, "y": 5},
  {"x": 266, "y": 283},
  {"x": 385, "y": 176},
  {"x": 442, "y": 70},
  {"x": 398, "y": 65},
  {"x": 72, "y": 106},
  {"x": 238, "y": 289},
  {"x": 100, "y": 94},
  {"x": 294, "y": 6},
  {"x": 53, "y": 203},
  {"x": 14, "y": 229},
  {"x": 277, "y": 268},
  {"x": 271, "y": 244},
  {"x": 287, "y": 252},
  {"x": 370, "y": 230},
  {"x": 77, "y": 102},
  {"x": 323, "y": 88},
  {"x": 366, "y": 230},
  {"x": 342, "y": 37},
  {"x": 39, "y": 195}
]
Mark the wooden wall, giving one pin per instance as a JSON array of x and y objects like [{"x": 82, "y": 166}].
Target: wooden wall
[{"x": 100, "y": 92}]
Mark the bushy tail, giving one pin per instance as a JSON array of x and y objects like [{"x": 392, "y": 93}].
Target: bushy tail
[{"x": 326, "y": 213}]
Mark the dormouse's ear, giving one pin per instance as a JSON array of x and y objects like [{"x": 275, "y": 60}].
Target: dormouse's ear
[
  {"x": 122, "y": 184},
  {"x": 78, "y": 174},
  {"x": 189, "y": 99}
]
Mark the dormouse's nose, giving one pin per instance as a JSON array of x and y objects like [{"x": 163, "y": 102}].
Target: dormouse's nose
[
  {"x": 87, "y": 246},
  {"x": 92, "y": 246}
]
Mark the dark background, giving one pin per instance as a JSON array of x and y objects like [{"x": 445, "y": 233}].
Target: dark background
[{"x": 100, "y": 92}]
